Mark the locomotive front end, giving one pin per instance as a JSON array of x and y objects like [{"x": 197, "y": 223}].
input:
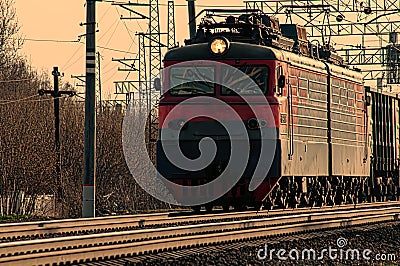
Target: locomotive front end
[{"x": 219, "y": 123}]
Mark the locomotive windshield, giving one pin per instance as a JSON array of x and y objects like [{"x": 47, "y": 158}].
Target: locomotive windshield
[
  {"x": 201, "y": 80},
  {"x": 237, "y": 83},
  {"x": 198, "y": 80}
]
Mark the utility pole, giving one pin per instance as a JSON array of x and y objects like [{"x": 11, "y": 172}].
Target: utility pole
[
  {"x": 192, "y": 18},
  {"x": 56, "y": 94},
  {"x": 89, "y": 179},
  {"x": 56, "y": 74}
]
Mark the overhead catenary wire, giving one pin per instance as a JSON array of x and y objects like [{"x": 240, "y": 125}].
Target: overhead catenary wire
[
  {"x": 205, "y": 6},
  {"x": 73, "y": 63},
  {"x": 105, "y": 13},
  {"x": 108, "y": 29},
  {"x": 112, "y": 34},
  {"x": 126, "y": 27},
  {"x": 179, "y": 5},
  {"x": 98, "y": 46},
  {"x": 51, "y": 40},
  {"x": 111, "y": 76},
  {"x": 69, "y": 60}
]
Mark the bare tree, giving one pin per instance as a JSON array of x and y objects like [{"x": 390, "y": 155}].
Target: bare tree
[
  {"x": 10, "y": 40},
  {"x": 27, "y": 144}
]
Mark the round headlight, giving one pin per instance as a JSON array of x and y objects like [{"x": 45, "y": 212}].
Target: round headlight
[
  {"x": 254, "y": 123},
  {"x": 219, "y": 45}
]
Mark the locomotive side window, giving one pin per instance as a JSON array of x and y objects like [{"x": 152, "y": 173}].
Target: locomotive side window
[
  {"x": 237, "y": 83},
  {"x": 192, "y": 80},
  {"x": 279, "y": 73}
]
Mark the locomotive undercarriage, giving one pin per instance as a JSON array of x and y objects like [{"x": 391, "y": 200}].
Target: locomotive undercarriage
[{"x": 300, "y": 192}]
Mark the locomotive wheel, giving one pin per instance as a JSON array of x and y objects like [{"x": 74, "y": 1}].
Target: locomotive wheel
[
  {"x": 239, "y": 207},
  {"x": 196, "y": 209},
  {"x": 226, "y": 207},
  {"x": 258, "y": 206}
]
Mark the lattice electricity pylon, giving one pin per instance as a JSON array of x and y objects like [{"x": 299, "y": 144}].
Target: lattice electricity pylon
[
  {"x": 143, "y": 82},
  {"x": 80, "y": 80},
  {"x": 152, "y": 95},
  {"x": 130, "y": 88},
  {"x": 369, "y": 23},
  {"x": 149, "y": 65},
  {"x": 171, "y": 25},
  {"x": 392, "y": 57},
  {"x": 144, "y": 86},
  {"x": 154, "y": 38},
  {"x": 155, "y": 46}
]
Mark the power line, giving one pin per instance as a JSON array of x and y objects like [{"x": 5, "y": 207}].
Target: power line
[
  {"x": 109, "y": 28},
  {"x": 17, "y": 100},
  {"x": 126, "y": 27},
  {"x": 14, "y": 80},
  {"x": 77, "y": 95},
  {"x": 69, "y": 60},
  {"x": 98, "y": 46},
  {"x": 204, "y": 6},
  {"x": 115, "y": 29},
  {"x": 115, "y": 50},
  {"x": 50, "y": 99},
  {"x": 108, "y": 79},
  {"x": 180, "y": 5},
  {"x": 51, "y": 40},
  {"x": 23, "y": 100},
  {"x": 105, "y": 13},
  {"x": 73, "y": 63}
]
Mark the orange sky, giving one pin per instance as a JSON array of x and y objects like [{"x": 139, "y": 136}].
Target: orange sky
[{"x": 43, "y": 19}]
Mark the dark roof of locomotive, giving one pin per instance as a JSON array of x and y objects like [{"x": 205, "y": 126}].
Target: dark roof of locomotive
[
  {"x": 247, "y": 51},
  {"x": 201, "y": 51}
]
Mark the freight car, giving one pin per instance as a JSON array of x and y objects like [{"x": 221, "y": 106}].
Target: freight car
[
  {"x": 384, "y": 134},
  {"x": 336, "y": 141}
]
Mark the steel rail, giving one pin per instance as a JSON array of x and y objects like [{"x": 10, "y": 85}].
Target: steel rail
[
  {"x": 71, "y": 225},
  {"x": 43, "y": 228},
  {"x": 148, "y": 240}
]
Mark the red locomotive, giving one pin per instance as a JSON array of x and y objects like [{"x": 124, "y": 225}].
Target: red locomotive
[{"x": 319, "y": 110}]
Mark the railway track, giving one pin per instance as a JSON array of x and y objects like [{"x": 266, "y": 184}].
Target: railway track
[
  {"x": 69, "y": 227},
  {"x": 101, "y": 246}
]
